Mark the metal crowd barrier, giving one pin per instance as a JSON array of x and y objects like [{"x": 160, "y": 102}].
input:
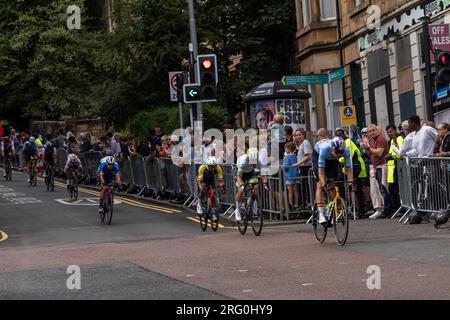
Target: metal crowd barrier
[
  {"x": 229, "y": 180},
  {"x": 169, "y": 173},
  {"x": 138, "y": 173},
  {"x": 404, "y": 186},
  {"x": 153, "y": 177}
]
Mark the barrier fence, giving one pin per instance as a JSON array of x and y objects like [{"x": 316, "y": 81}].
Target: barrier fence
[{"x": 424, "y": 185}]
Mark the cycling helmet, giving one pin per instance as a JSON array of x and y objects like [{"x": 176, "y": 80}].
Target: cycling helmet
[
  {"x": 5, "y": 138},
  {"x": 337, "y": 143},
  {"x": 73, "y": 158},
  {"x": 441, "y": 217},
  {"x": 212, "y": 161},
  {"x": 32, "y": 139},
  {"x": 110, "y": 160},
  {"x": 49, "y": 145}
]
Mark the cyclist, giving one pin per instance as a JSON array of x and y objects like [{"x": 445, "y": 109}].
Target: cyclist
[
  {"x": 248, "y": 166},
  {"x": 73, "y": 164},
  {"x": 30, "y": 152},
  {"x": 109, "y": 171},
  {"x": 328, "y": 156},
  {"x": 49, "y": 156},
  {"x": 207, "y": 179},
  {"x": 7, "y": 151}
]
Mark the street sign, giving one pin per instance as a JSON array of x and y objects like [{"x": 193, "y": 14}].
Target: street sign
[
  {"x": 173, "y": 85},
  {"x": 305, "y": 79},
  {"x": 441, "y": 93},
  {"x": 314, "y": 78},
  {"x": 337, "y": 74},
  {"x": 191, "y": 93},
  {"x": 348, "y": 116},
  {"x": 440, "y": 37}
]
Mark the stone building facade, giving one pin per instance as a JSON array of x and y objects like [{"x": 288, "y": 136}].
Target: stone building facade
[{"x": 385, "y": 65}]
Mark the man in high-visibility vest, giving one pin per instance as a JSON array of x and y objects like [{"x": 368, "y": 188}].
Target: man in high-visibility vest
[
  {"x": 392, "y": 157},
  {"x": 359, "y": 173}
]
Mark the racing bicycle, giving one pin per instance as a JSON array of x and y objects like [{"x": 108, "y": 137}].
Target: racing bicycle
[
  {"x": 251, "y": 211},
  {"x": 207, "y": 211},
  {"x": 336, "y": 213}
]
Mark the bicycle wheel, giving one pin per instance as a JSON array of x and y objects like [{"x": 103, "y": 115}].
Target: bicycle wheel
[
  {"x": 103, "y": 215},
  {"x": 75, "y": 192},
  {"x": 52, "y": 182},
  {"x": 34, "y": 177},
  {"x": 215, "y": 225},
  {"x": 109, "y": 212},
  {"x": 320, "y": 231},
  {"x": 47, "y": 182},
  {"x": 242, "y": 225},
  {"x": 340, "y": 221},
  {"x": 257, "y": 218}
]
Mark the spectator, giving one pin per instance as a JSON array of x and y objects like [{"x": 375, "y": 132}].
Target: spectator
[
  {"x": 304, "y": 154},
  {"x": 288, "y": 132},
  {"x": 377, "y": 148},
  {"x": 291, "y": 174},
  {"x": 124, "y": 147},
  {"x": 359, "y": 173},
  {"x": 278, "y": 124},
  {"x": 60, "y": 139},
  {"x": 173, "y": 142},
  {"x": 115, "y": 144},
  {"x": 144, "y": 149},
  {"x": 86, "y": 145},
  {"x": 133, "y": 144},
  {"x": 423, "y": 138},
  {"x": 156, "y": 138},
  {"x": 442, "y": 145},
  {"x": 407, "y": 140},
  {"x": 72, "y": 145},
  {"x": 392, "y": 157}
]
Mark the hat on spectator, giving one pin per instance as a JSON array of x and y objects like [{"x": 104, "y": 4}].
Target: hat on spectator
[
  {"x": 364, "y": 130},
  {"x": 174, "y": 138}
]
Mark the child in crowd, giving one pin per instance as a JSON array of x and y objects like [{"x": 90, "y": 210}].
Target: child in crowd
[{"x": 291, "y": 174}]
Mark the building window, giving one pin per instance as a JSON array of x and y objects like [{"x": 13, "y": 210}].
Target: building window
[
  {"x": 306, "y": 12},
  {"x": 327, "y": 10}
]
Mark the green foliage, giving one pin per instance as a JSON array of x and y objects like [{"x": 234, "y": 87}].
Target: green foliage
[
  {"x": 48, "y": 72},
  {"x": 168, "y": 118}
]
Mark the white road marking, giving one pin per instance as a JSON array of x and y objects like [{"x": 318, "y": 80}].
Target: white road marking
[
  {"x": 84, "y": 202},
  {"x": 421, "y": 275},
  {"x": 246, "y": 291},
  {"x": 190, "y": 275},
  {"x": 307, "y": 284}
]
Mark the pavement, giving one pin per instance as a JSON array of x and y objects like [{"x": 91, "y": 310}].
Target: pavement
[{"x": 153, "y": 251}]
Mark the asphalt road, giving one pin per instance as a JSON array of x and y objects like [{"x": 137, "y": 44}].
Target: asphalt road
[{"x": 155, "y": 252}]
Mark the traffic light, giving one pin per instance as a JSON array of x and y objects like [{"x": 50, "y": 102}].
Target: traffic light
[
  {"x": 208, "y": 78},
  {"x": 181, "y": 79},
  {"x": 442, "y": 66}
]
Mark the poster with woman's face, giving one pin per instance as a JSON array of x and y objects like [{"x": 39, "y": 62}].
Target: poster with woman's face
[{"x": 262, "y": 113}]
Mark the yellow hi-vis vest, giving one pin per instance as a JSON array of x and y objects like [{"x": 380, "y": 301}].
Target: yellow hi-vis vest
[
  {"x": 391, "y": 163},
  {"x": 359, "y": 161}
]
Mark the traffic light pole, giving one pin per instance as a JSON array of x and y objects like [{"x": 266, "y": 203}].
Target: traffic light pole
[
  {"x": 194, "y": 76},
  {"x": 428, "y": 82}
]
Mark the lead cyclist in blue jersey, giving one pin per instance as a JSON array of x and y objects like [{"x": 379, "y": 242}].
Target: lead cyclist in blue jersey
[
  {"x": 109, "y": 172},
  {"x": 329, "y": 156}
]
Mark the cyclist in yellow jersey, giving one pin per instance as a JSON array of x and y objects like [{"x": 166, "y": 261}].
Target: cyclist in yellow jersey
[{"x": 206, "y": 179}]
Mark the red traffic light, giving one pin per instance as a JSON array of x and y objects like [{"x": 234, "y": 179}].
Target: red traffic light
[
  {"x": 207, "y": 64},
  {"x": 443, "y": 58}
]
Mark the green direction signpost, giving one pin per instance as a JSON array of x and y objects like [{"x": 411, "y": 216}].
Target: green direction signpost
[
  {"x": 337, "y": 74},
  {"x": 304, "y": 79},
  {"x": 312, "y": 79}
]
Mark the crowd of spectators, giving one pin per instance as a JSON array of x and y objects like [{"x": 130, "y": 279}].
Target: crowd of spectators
[{"x": 374, "y": 151}]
